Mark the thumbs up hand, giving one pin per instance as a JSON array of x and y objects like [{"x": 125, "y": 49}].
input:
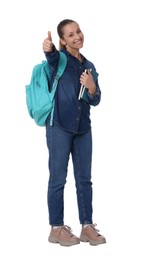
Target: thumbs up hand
[{"x": 48, "y": 44}]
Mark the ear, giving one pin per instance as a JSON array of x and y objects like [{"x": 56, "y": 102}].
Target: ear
[{"x": 62, "y": 41}]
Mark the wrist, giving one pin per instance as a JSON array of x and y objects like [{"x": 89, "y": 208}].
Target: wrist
[{"x": 92, "y": 90}]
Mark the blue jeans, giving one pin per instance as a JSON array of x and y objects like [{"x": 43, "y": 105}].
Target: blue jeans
[{"x": 60, "y": 145}]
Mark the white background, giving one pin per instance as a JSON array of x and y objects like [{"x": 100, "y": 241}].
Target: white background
[{"x": 114, "y": 43}]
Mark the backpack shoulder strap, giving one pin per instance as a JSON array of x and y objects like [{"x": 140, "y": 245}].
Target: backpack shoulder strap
[{"x": 62, "y": 64}]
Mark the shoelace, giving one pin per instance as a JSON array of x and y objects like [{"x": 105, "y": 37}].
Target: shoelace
[
  {"x": 67, "y": 229},
  {"x": 96, "y": 230},
  {"x": 94, "y": 227}
]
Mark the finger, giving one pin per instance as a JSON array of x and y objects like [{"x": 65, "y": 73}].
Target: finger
[
  {"x": 83, "y": 74},
  {"x": 49, "y": 36}
]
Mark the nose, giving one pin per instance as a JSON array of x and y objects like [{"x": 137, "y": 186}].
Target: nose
[{"x": 77, "y": 36}]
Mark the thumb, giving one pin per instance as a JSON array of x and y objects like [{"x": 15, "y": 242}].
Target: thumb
[
  {"x": 49, "y": 36},
  {"x": 89, "y": 71}
]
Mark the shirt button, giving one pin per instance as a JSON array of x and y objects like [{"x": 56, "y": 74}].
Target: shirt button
[
  {"x": 79, "y": 108},
  {"x": 77, "y": 118}
]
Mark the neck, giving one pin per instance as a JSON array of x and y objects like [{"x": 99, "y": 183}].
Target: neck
[{"x": 75, "y": 53}]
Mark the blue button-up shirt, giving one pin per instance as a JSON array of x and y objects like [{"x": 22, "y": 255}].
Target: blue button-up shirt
[{"x": 70, "y": 113}]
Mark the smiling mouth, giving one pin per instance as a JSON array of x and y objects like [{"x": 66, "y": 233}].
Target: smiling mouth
[{"x": 78, "y": 42}]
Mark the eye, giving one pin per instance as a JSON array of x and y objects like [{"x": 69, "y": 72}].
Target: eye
[{"x": 78, "y": 31}]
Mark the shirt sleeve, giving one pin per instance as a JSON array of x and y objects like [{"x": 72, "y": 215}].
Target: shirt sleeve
[
  {"x": 95, "y": 99},
  {"x": 52, "y": 59}
]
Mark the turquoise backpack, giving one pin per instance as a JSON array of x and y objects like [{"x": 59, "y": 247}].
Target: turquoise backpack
[{"x": 39, "y": 100}]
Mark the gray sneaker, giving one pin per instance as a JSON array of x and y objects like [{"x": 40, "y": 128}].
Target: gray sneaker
[
  {"x": 64, "y": 236},
  {"x": 90, "y": 234}
]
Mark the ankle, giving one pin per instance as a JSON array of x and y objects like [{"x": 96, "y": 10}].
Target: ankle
[
  {"x": 55, "y": 227},
  {"x": 86, "y": 225}
]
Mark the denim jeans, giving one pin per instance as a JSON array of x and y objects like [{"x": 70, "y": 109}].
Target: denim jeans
[{"x": 60, "y": 145}]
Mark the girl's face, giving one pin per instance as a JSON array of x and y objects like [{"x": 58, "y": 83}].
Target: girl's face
[{"x": 73, "y": 37}]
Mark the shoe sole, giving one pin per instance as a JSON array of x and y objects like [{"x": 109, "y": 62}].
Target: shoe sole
[
  {"x": 62, "y": 243},
  {"x": 84, "y": 238}
]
